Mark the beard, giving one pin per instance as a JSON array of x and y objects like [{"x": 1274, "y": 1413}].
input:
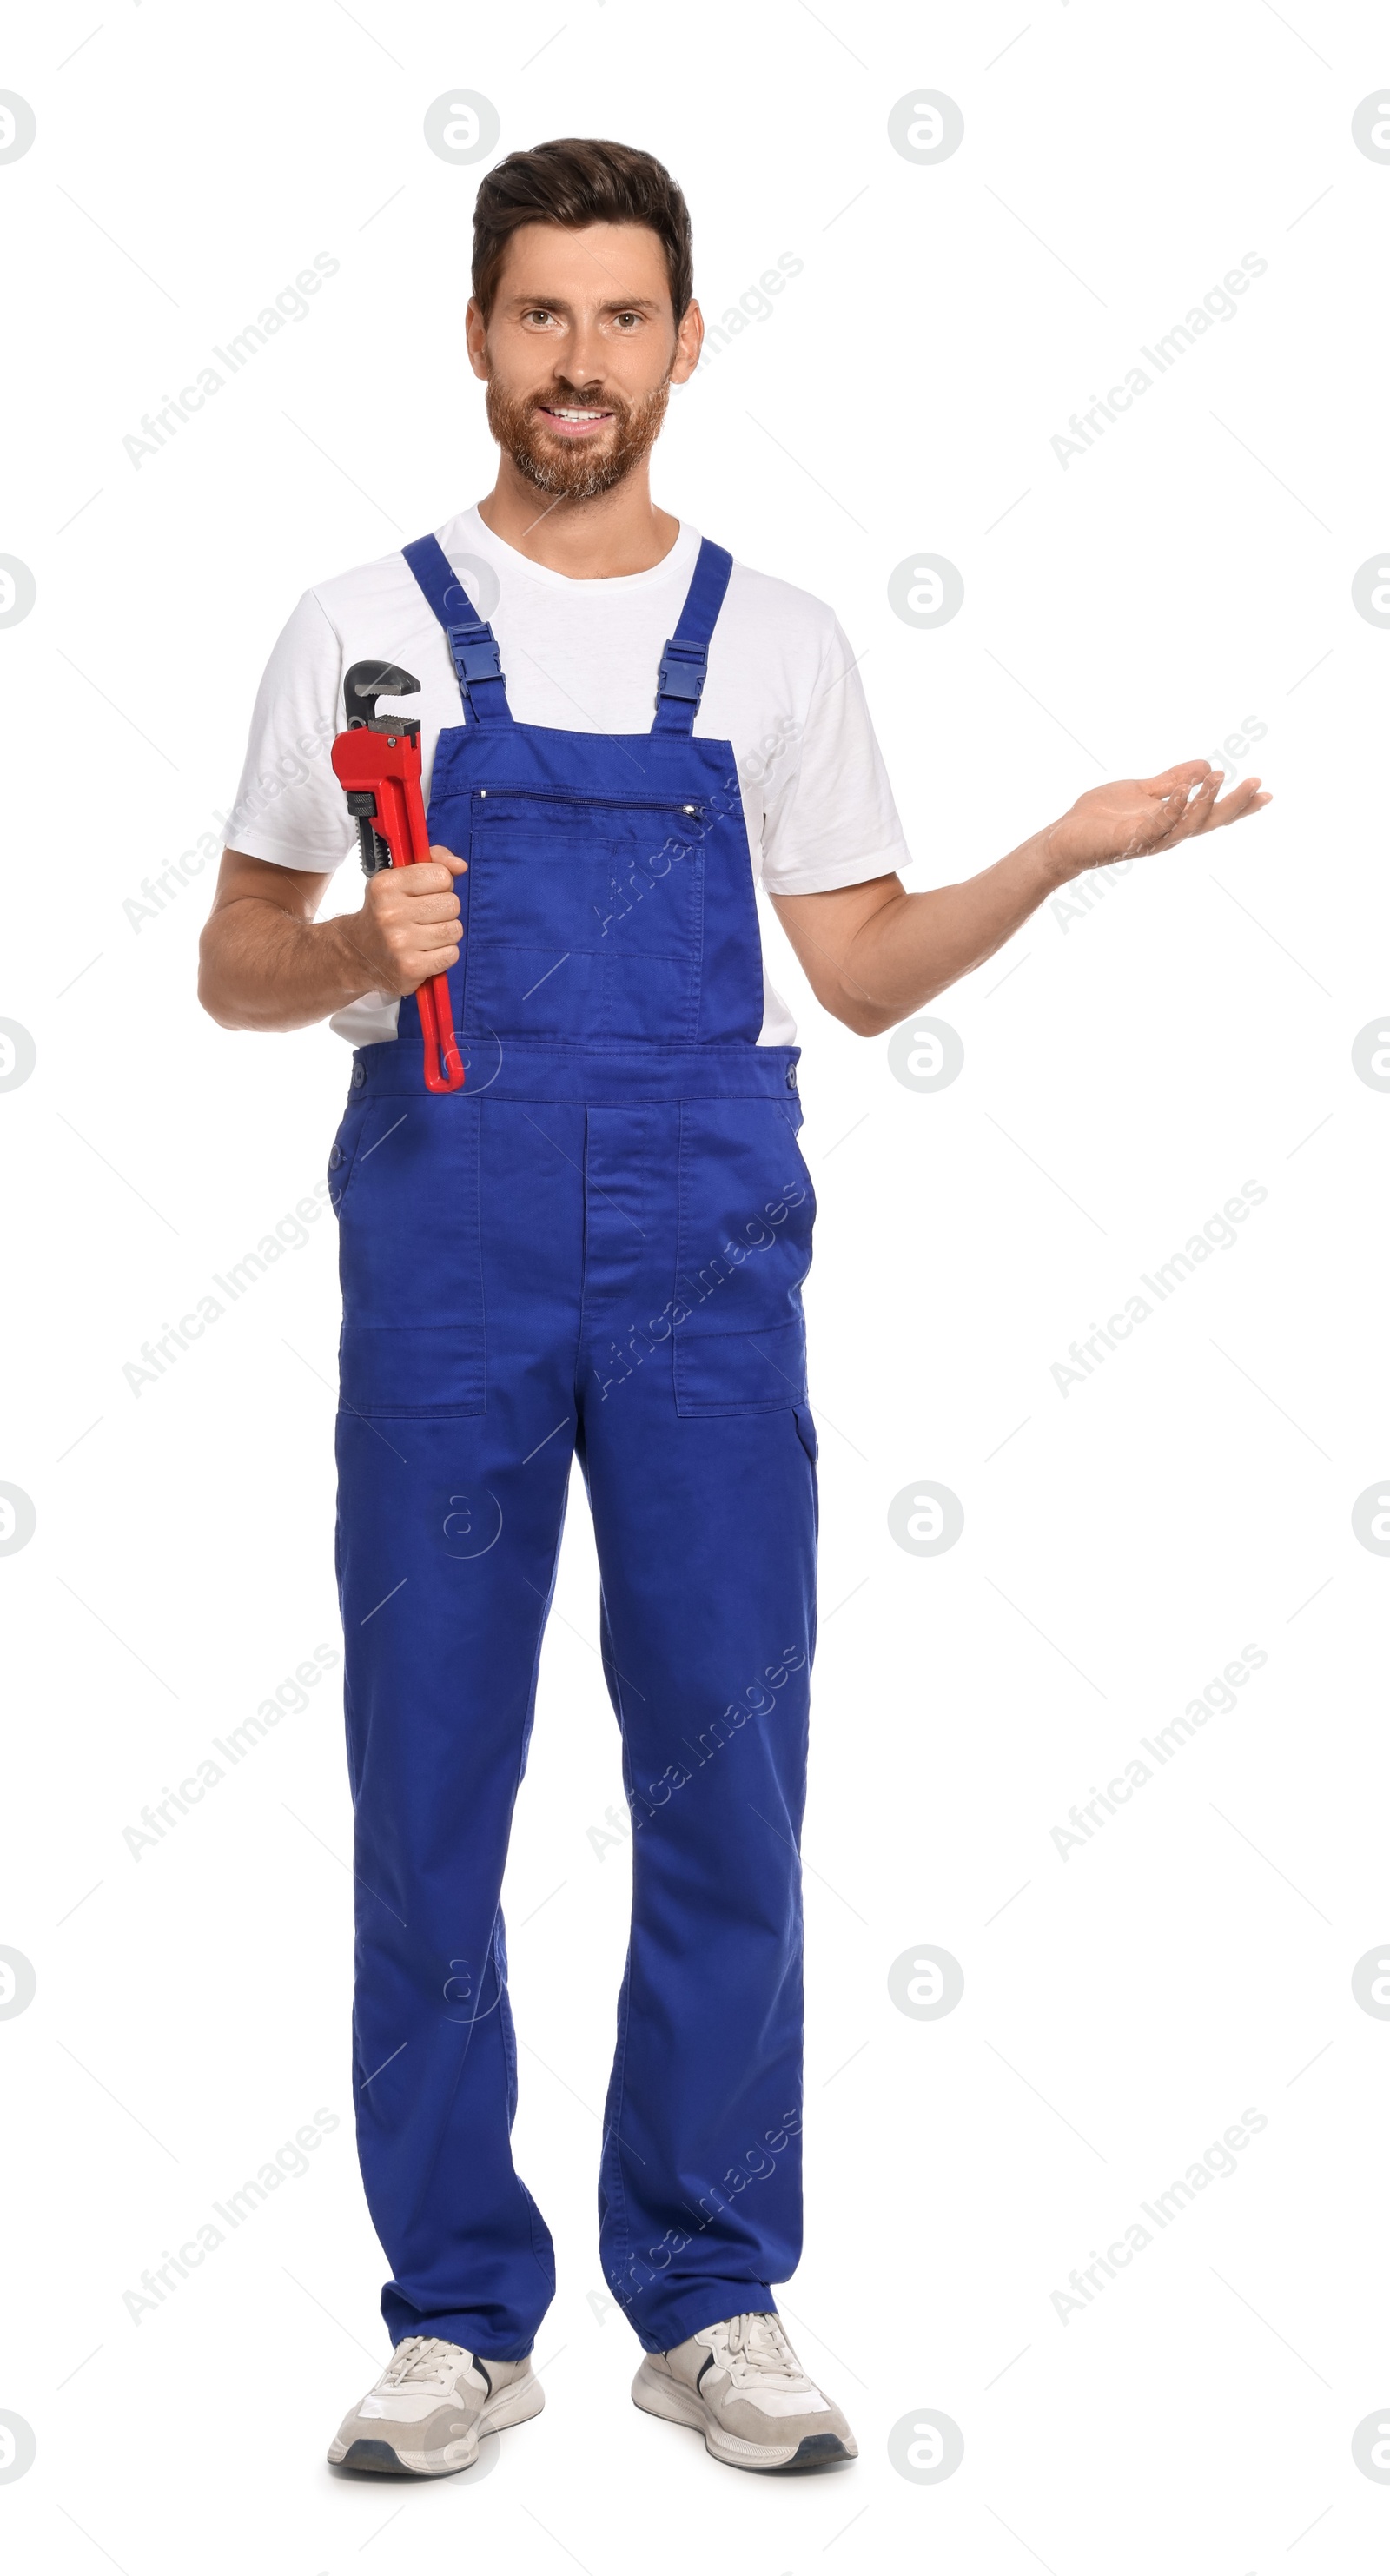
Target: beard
[{"x": 567, "y": 469}]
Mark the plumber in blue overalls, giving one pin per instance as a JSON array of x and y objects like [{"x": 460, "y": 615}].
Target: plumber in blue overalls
[{"x": 593, "y": 1250}]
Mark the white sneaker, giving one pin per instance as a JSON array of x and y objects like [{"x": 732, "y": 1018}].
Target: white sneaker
[
  {"x": 431, "y": 2407},
  {"x": 741, "y": 2385}
]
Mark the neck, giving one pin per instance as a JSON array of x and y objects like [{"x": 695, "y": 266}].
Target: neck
[{"x": 620, "y": 531}]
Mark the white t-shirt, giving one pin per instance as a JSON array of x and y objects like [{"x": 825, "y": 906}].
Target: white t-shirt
[{"x": 582, "y": 656}]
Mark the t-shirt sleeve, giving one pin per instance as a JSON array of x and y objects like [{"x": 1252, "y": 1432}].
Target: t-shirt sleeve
[
  {"x": 289, "y": 806},
  {"x": 828, "y": 813}
]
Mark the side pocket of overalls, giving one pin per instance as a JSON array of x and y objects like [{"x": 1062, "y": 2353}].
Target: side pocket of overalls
[
  {"x": 410, "y": 1260},
  {"x": 743, "y": 1248}
]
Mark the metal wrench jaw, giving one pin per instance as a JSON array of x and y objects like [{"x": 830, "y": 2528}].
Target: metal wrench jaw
[
  {"x": 363, "y": 684},
  {"x": 368, "y": 681},
  {"x": 374, "y": 852}
]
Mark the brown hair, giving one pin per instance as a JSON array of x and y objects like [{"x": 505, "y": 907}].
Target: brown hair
[{"x": 579, "y": 182}]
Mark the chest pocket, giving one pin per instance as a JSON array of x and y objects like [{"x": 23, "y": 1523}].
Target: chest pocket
[
  {"x": 585, "y": 916},
  {"x": 747, "y": 1209}
]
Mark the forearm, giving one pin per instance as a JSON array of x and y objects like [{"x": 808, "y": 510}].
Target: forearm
[
  {"x": 873, "y": 954},
  {"x": 259, "y": 968},
  {"x": 914, "y": 945}
]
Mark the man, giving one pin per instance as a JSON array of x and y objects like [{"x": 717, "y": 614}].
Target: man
[{"x": 595, "y": 1248}]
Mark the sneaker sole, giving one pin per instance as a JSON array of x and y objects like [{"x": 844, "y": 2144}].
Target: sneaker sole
[
  {"x": 514, "y": 2406},
  {"x": 676, "y": 2405}
]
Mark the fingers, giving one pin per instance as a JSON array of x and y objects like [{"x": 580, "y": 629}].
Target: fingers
[
  {"x": 410, "y": 920},
  {"x": 421, "y": 970},
  {"x": 395, "y": 964},
  {"x": 421, "y": 893},
  {"x": 1180, "y": 778},
  {"x": 434, "y": 875},
  {"x": 408, "y": 936},
  {"x": 424, "y": 970},
  {"x": 405, "y": 907},
  {"x": 409, "y": 964},
  {"x": 1247, "y": 798},
  {"x": 1191, "y": 804},
  {"x": 1201, "y": 800},
  {"x": 1179, "y": 805},
  {"x": 1204, "y": 813}
]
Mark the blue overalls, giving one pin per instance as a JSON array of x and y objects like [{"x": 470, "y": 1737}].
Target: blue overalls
[{"x": 596, "y": 1248}]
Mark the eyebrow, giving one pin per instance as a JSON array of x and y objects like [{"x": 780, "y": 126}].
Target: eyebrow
[{"x": 610, "y": 304}]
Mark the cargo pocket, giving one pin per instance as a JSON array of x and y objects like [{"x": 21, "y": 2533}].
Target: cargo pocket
[
  {"x": 410, "y": 1259},
  {"x": 743, "y": 1249}
]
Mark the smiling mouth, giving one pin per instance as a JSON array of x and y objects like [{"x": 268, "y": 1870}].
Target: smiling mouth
[{"x": 572, "y": 420}]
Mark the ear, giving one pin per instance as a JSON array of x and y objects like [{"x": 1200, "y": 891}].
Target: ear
[
  {"x": 690, "y": 334},
  {"x": 475, "y": 339}
]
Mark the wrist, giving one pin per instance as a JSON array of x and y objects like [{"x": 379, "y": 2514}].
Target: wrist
[
  {"x": 344, "y": 957},
  {"x": 1053, "y": 866}
]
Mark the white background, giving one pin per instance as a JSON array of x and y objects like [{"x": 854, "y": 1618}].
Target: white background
[{"x": 1124, "y": 1074}]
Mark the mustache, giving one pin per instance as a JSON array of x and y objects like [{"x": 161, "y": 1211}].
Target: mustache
[{"x": 592, "y": 398}]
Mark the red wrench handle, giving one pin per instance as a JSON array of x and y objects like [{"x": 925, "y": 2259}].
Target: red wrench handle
[
  {"x": 387, "y": 765},
  {"x": 444, "y": 1069}
]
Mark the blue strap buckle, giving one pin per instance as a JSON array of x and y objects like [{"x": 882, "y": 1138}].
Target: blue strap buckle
[
  {"x": 681, "y": 679},
  {"x": 475, "y": 655}
]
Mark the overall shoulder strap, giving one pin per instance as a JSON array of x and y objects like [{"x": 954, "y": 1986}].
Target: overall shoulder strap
[
  {"x": 682, "y": 674},
  {"x": 472, "y": 644}
]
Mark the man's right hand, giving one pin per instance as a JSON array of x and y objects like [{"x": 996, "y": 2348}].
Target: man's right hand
[
  {"x": 266, "y": 963},
  {"x": 408, "y": 927}
]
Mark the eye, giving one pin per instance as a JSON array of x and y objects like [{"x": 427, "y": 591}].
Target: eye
[
  {"x": 623, "y": 318},
  {"x": 538, "y": 313}
]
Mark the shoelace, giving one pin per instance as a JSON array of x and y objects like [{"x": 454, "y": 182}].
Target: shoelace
[
  {"x": 420, "y": 2357},
  {"x": 757, "y": 2343}
]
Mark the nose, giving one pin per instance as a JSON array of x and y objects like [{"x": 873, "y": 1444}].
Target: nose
[{"x": 580, "y": 366}]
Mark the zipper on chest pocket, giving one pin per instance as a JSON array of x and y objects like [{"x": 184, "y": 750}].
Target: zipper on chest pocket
[{"x": 578, "y": 796}]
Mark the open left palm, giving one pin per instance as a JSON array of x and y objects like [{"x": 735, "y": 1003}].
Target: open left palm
[{"x": 1133, "y": 816}]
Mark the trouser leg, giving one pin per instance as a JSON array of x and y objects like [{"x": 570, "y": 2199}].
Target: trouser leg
[
  {"x": 706, "y": 1536},
  {"x": 448, "y": 1535}
]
